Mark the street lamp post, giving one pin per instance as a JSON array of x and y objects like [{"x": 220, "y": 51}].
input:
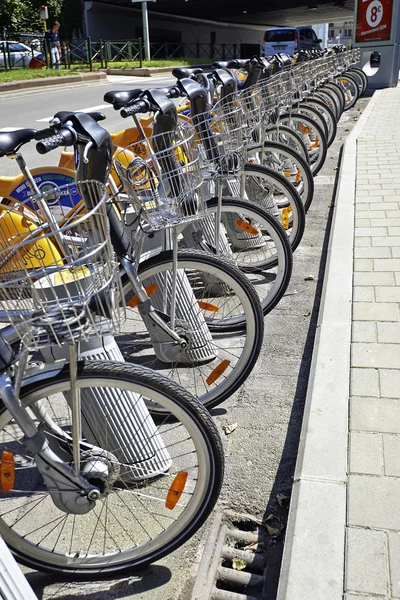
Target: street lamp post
[{"x": 145, "y": 20}]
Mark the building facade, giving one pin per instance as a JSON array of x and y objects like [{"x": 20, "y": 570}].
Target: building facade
[{"x": 340, "y": 32}]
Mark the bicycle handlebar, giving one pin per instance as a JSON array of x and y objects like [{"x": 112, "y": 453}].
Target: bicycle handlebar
[
  {"x": 65, "y": 137},
  {"x": 142, "y": 106},
  {"x": 42, "y": 134}
]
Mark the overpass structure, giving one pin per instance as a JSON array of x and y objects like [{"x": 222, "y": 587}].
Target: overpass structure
[{"x": 244, "y": 22}]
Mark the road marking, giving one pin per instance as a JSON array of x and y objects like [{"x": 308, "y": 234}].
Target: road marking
[
  {"x": 85, "y": 110},
  {"x": 6, "y": 129}
]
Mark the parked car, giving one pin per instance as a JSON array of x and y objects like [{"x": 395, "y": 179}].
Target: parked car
[
  {"x": 16, "y": 55},
  {"x": 289, "y": 40}
]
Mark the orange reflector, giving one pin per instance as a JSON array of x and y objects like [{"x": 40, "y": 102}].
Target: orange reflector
[
  {"x": 285, "y": 216},
  {"x": 207, "y": 306},
  {"x": 298, "y": 176},
  {"x": 315, "y": 144},
  {"x": 7, "y": 471},
  {"x": 176, "y": 489},
  {"x": 218, "y": 371},
  {"x": 287, "y": 173},
  {"x": 304, "y": 128},
  {"x": 246, "y": 227},
  {"x": 150, "y": 289}
]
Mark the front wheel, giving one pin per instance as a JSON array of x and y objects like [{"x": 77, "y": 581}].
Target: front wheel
[
  {"x": 218, "y": 313},
  {"x": 312, "y": 135},
  {"x": 288, "y": 163},
  {"x": 138, "y": 518},
  {"x": 258, "y": 245}
]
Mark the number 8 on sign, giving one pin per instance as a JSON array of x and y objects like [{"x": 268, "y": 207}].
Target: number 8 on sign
[{"x": 374, "y": 13}]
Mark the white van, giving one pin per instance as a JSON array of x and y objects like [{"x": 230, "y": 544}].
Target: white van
[{"x": 289, "y": 40}]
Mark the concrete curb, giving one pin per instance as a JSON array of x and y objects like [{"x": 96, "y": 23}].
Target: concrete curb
[
  {"x": 149, "y": 71},
  {"x": 313, "y": 557},
  {"x": 50, "y": 81}
]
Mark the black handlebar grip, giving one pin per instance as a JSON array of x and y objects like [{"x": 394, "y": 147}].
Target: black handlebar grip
[
  {"x": 51, "y": 143},
  {"x": 174, "y": 92},
  {"x": 138, "y": 107},
  {"x": 42, "y": 134}
]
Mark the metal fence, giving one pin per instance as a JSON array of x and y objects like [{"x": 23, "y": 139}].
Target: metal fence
[{"x": 103, "y": 53}]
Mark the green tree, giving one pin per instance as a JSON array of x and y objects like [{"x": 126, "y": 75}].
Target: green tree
[{"x": 23, "y": 15}]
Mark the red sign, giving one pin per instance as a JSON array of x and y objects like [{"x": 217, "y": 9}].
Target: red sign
[{"x": 374, "y": 20}]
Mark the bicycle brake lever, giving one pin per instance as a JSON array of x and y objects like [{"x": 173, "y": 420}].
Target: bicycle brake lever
[{"x": 86, "y": 152}]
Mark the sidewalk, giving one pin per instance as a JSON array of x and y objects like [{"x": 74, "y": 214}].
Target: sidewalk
[{"x": 343, "y": 538}]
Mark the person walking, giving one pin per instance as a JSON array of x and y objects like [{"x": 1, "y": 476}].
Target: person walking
[{"x": 53, "y": 40}]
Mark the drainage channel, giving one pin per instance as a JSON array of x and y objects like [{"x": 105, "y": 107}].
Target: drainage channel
[{"x": 234, "y": 560}]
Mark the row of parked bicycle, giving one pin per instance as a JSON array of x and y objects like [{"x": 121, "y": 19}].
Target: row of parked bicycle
[{"x": 133, "y": 300}]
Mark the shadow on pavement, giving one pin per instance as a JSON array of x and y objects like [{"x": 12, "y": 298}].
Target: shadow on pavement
[{"x": 49, "y": 586}]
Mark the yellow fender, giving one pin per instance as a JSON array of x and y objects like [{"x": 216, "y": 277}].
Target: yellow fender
[{"x": 15, "y": 224}]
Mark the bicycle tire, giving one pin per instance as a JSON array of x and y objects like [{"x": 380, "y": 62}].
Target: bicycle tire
[
  {"x": 304, "y": 109},
  {"x": 305, "y": 185},
  {"x": 331, "y": 99},
  {"x": 256, "y": 174},
  {"x": 336, "y": 89},
  {"x": 328, "y": 115},
  {"x": 286, "y": 135},
  {"x": 257, "y": 272},
  {"x": 317, "y": 158},
  {"x": 237, "y": 339},
  {"x": 363, "y": 76},
  {"x": 353, "y": 91},
  {"x": 77, "y": 560}
]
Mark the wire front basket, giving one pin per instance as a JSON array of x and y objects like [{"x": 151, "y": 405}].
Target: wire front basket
[
  {"x": 58, "y": 280},
  {"x": 162, "y": 178},
  {"x": 251, "y": 101}
]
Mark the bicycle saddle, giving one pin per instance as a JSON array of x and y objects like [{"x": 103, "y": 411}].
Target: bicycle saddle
[
  {"x": 96, "y": 116},
  {"x": 120, "y": 99},
  {"x": 235, "y": 63},
  {"x": 183, "y": 72},
  {"x": 11, "y": 141}
]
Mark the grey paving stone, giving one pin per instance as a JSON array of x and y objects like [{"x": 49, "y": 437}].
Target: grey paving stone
[
  {"x": 371, "y": 231},
  {"x": 387, "y": 264},
  {"x": 372, "y": 502},
  {"x": 388, "y": 333},
  {"x": 393, "y": 231},
  {"x": 363, "y": 294},
  {"x": 387, "y": 294},
  {"x": 386, "y": 241},
  {"x": 368, "y": 311},
  {"x": 364, "y": 382},
  {"x": 375, "y": 414},
  {"x": 378, "y": 356},
  {"x": 362, "y": 264},
  {"x": 362, "y": 242},
  {"x": 395, "y": 252},
  {"x": 390, "y": 380},
  {"x": 391, "y": 453},
  {"x": 386, "y": 222},
  {"x": 382, "y": 278},
  {"x": 375, "y": 252},
  {"x": 367, "y": 555},
  {"x": 364, "y": 331},
  {"x": 366, "y": 453},
  {"x": 361, "y": 222},
  {"x": 394, "y": 562}
]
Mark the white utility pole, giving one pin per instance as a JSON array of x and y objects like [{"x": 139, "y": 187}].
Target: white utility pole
[{"x": 145, "y": 19}]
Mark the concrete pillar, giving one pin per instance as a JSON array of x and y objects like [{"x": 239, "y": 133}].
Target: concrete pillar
[{"x": 377, "y": 29}]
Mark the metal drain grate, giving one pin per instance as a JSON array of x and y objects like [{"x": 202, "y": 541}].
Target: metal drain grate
[{"x": 232, "y": 539}]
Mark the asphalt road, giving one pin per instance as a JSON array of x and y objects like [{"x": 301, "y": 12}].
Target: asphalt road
[{"x": 268, "y": 409}]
